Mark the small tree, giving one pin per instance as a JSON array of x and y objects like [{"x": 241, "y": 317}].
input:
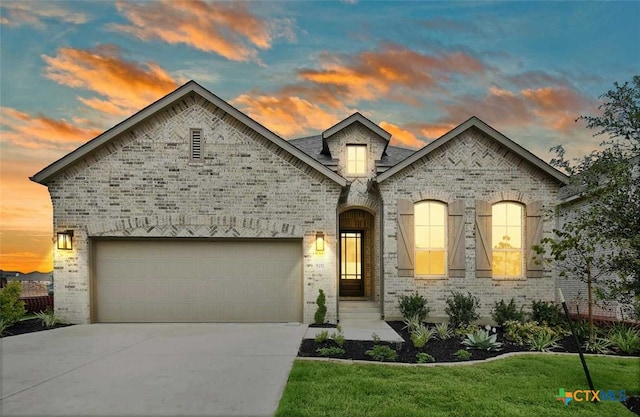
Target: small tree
[
  {"x": 321, "y": 312},
  {"x": 600, "y": 242},
  {"x": 11, "y": 306}
]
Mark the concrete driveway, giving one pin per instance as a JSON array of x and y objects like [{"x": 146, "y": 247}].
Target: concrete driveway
[{"x": 148, "y": 370}]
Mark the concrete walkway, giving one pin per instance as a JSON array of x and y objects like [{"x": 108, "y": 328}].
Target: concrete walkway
[
  {"x": 148, "y": 370},
  {"x": 355, "y": 329}
]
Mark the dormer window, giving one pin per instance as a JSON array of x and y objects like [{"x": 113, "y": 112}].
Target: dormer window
[{"x": 356, "y": 159}]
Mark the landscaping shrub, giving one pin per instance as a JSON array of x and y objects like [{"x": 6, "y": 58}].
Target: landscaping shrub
[
  {"x": 48, "y": 318},
  {"x": 382, "y": 353},
  {"x": 11, "y": 307},
  {"x": 422, "y": 357},
  {"x": 322, "y": 336},
  {"x": 330, "y": 351},
  {"x": 597, "y": 345},
  {"x": 624, "y": 338},
  {"x": 321, "y": 312},
  {"x": 544, "y": 341},
  {"x": 421, "y": 335},
  {"x": 547, "y": 312},
  {"x": 524, "y": 333},
  {"x": 413, "y": 306},
  {"x": 503, "y": 312},
  {"x": 338, "y": 337},
  {"x": 412, "y": 323},
  {"x": 482, "y": 340},
  {"x": 443, "y": 331},
  {"x": 461, "y": 309},
  {"x": 463, "y": 355}
]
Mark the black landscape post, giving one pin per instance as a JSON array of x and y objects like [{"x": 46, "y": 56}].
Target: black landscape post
[{"x": 575, "y": 336}]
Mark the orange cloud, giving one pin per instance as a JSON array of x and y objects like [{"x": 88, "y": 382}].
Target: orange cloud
[
  {"x": 402, "y": 137},
  {"x": 285, "y": 115},
  {"x": 35, "y": 13},
  {"x": 551, "y": 107},
  {"x": 433, "y": 130},
  {"x": 127, "y": 86},
  {"x": 392, "y": 72},
  {"x": 226, "y": 28},
  {"x": 42, "y": 132}
]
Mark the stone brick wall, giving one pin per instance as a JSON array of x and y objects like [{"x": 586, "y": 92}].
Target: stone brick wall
[
  {"x": 470, "y": 167},
  {"x": 143, "y": 184}
]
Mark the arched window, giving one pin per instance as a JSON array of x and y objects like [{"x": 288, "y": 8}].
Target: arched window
[
  {"x": 430, "y": 225},
  {"x": 506, "y": 239}
]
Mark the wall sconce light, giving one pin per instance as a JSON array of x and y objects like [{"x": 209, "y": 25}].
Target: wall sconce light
[
  {"x": 65, "y": 240},
  {"x": 319, "y": 242}
]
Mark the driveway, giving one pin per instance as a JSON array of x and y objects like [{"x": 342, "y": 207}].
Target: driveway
[{"x": 148, "y": 370}]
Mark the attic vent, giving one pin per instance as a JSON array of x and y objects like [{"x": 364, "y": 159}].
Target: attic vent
[{"x": 196, "y": 144}]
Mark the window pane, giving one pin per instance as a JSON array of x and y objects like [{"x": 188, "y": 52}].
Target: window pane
[
  {"x": 436, "y": 214},
  {"x": 513, "y": 264},
  {"x": 436, "y": 262},
  {"x": 515, "y": 236},
  {"x": 421, "y": 214},
  {"x": 436, "y": 237},
  {"x": 514, "y": 214},
  {"x": 421, "y": 236},
  {"x": 499, "y": 214},
  {"x": 422, "y": 263},
  {"x": 498, "y": 264}
]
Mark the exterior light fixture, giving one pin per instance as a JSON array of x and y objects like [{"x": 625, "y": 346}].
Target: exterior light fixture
[
  {"x": 319, "y": 242},
  {"x": 65, "y": 240}
]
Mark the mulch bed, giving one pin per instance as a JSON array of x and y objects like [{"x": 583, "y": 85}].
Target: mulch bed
[{"x": 29, "y": 326}]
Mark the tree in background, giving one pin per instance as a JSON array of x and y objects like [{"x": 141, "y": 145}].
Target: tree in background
[{"x": 600, "y": 241}]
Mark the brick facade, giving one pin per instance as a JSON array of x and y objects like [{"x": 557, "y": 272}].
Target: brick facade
[
  {"x": 143, "y": 183},
  {"x": 469, "y": 167}
]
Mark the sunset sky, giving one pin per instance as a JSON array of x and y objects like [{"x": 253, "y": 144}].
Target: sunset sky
[{"x": 70, "y": 70}]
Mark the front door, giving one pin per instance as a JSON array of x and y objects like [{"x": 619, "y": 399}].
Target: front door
[{"x": 351, "y": 265}]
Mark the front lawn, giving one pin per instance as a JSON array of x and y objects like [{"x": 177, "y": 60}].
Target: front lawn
[{"x": 518, "y": 386}]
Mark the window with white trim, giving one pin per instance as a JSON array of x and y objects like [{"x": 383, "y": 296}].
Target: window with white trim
[
  {"x": 430, "y": 225},
  {"x": 506, "y": 239},
  {"x": 356, "y": 159},
  {"x": 196, "y": 144}
]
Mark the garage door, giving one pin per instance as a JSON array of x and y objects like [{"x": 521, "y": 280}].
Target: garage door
[{"x": 175, "y": 280}]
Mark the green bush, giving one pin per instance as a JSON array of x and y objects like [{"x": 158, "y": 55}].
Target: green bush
[
  {"x": 11, "y": 306},
  {"x": 321, "y": 312},
  {"x": 544, "y": 340},
  {"x": 461, "y": 309},
  {"x": 330, "y": 351},
  {"x": 547, "y": 312},
  {"x": 503, "y": 312},
  {"x": 413, "y": 306},
  {"x": 382, "y": 353},
  {"x": 524, "y": 333},
  {"x": 322, "y": 336},
  {"x": 443, "y": 331},
  {"x": 597, "y": 345},
  {"x": 338, "y": 336},
  {"x": 3, "y": 327},
  {"x": 412, "y": 323},
  {"x": 422, "y": 357},
  {"x": 462, "y": 331},
  {"x": 421, "y": 335},
  {"x": 624, "y": 338},
  {"x": 48, "y": 318},
  {"x": 462, "y": 355},
  {"x": 482, "y": 340}
]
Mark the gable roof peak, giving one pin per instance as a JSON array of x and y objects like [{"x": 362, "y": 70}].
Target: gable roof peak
[
  {"x": 357, "y": 117},
  {"x": 476, "y": 122}
]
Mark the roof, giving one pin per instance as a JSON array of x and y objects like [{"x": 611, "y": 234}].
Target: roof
[
  {"x": 312, "y": 146},
  {"x": 357, "y": 117},
  {"x": 46, "y": 174},
  {"x": 488, "y": 130}
]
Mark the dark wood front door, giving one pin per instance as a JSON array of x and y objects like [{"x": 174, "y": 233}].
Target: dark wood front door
[{"x": 351, "y": 264}]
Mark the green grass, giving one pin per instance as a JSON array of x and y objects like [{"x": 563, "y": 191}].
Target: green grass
[{"x": 518, "y": 386}]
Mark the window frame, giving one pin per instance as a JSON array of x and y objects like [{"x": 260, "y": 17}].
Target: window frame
[
  {"x": 444, "y": 248},
  {"x": 349, "y": 165},
  {"x": 522, "y": 249}
]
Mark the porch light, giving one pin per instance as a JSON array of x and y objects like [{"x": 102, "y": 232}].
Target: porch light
[
  {"x": 65, "y": 240},
  {"x": 319, "y": 242}
]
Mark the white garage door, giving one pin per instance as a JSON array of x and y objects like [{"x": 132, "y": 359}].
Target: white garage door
[{"x": 174, "y": 280}]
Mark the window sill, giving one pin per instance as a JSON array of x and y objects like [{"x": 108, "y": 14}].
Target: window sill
[
  {"x": 509, "y": 278},
  {"x": 431, "y": 277}
]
